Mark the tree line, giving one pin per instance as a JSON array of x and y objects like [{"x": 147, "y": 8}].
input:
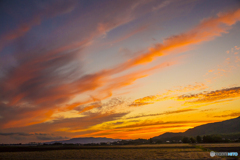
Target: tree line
[{"x": 207, "y": 139}]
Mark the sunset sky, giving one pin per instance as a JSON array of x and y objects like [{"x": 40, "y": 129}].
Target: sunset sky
[{"x": 123, "y": 69}]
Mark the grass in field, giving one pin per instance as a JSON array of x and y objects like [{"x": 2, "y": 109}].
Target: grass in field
[
  {"x": 220, "y": 147},
  {"x": 159, "y": 153},
  {"x": 220, "y": 144}
]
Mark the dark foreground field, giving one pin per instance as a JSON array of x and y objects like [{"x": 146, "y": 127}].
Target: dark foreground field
[{"x": 161, "y": 151}]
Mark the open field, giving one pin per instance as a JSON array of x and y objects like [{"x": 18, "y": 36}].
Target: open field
[
  {"x": 220, "y": 144},
  {"x": 162, "y": 151},
  {"x": 69, "y": 147},
  {"x": 222, "y": 147}
]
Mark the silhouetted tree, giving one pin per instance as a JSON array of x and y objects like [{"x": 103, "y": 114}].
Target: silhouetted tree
[
  {"x": 199, "y": 139},
  {"x": 212, "y": 139},
  {"x": 185, "y": 140},
  {"x": 193, "y": 140}
]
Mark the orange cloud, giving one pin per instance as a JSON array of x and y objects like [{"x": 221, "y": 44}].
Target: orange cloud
[
  {"x": 205, "y": 97},
  {"x": 29, "y": 118},
  {"x": 213, "y": 96},
  {"x": 234, "y": 114},
  {"x": 189, "y": 88},
  {"x": 164, "y": 113},
  {"x": 92, "y": 106},
  {"x": 152, "y": 99},
  {"x": 133, "y": 130},
  {"x": 205, "y": 31}
]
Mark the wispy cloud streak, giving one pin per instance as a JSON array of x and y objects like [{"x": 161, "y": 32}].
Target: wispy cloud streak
[{"x": 213, "y": 96}]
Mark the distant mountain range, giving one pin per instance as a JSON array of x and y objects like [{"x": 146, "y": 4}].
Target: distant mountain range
[
  {"x": 86, "y": 140},
  {"x": 228, "y": 127}
]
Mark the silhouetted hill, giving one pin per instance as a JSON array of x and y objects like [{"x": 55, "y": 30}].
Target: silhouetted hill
[
  {"x": 224, "y": 127},
  {"x": 86, "y": 140},
  {"x": 228, "y": 126}
]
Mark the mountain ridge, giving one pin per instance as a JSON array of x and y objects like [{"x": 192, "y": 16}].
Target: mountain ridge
[{"x": 223, "y": 127}]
